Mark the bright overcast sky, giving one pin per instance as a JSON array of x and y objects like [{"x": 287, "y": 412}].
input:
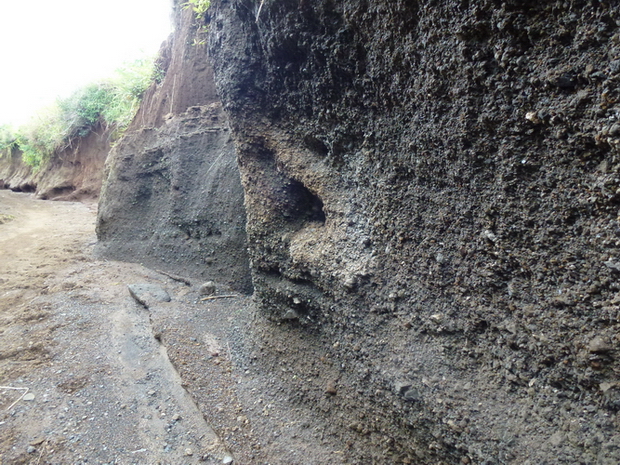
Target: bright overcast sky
[{"x": 48, "y": 48}]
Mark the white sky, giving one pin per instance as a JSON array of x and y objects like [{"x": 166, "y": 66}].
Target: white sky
[{"x": 49, "y": 48}]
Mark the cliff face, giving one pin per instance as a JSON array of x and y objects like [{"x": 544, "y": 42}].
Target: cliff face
[
  {"x": 14, "y": 173},
  {"x": 74, "y": 173},
  {"x": 432, "y": 198},
  {"x": 172, "y": 196}
]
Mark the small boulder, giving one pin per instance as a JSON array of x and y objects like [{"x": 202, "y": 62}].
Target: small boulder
[
  {"x": 208, "y": 288},
  {"x": 147, "y": 294},
  {"x": 402, "y": 387},
  {"x": 331, "y": 388},
  {"x": 290, "y": 315}
]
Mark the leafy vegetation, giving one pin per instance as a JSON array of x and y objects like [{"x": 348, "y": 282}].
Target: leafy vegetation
[
  {"x": 200, "y": 7},
  {"x": 7, "y": 140},
  {"x": 5, "y": 218},
  {"x": 111, "y": 102}
]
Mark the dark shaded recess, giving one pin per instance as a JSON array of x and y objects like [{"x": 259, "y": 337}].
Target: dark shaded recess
[
  {"x": 57, "y": 191},
  {"x": 25, "y": 187},
  {"x": 301, "y": 205},
  {"x": 316, "y": 145}
]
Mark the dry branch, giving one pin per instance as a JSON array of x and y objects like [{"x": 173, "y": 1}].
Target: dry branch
[
  {"x": 25, "y": 389},
  {"x": 181, "y": 279},
  {"x": 213, "y": 297}
]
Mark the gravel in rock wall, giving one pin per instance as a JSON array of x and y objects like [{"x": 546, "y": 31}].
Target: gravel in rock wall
[{"x": 432, "y": 194}]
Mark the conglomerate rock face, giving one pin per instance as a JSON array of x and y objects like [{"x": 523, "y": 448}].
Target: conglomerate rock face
[
  {"x": 432, "y": 196},
  {"x": 172, "y": 196}
]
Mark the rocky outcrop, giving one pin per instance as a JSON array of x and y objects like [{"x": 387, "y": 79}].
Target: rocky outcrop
[
  {"x": 73, "y": 173},
  {"x": 14, "y": 173},
  {"x": 172, "y": 196},
  {"x": 432, "y": 201}
]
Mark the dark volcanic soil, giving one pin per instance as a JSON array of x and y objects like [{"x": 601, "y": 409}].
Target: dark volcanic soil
[
  {"x": 432, "y": 192},
  {"x": 172, "y": 194}
]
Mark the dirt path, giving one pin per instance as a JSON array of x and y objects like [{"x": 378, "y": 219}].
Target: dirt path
[
  {"x": 36, "y": 239},
  {"x": 102, "y": 387},
  {"x": 107, "y": 380}
]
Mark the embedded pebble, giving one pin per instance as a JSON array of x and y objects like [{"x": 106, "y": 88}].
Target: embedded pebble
[
  {"x": 331, "y": 389},
  {"x": 599, "y": 345},
  {"x": 290, "y": 314}
]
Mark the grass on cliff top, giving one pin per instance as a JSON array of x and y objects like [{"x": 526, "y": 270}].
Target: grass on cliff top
[
  {"x": 112, "y": 103},
  {"x": 7, "y": 139}
]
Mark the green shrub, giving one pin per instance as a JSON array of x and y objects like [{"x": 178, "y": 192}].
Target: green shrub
[
  {"x": 5, "y": 218},
  {"x": 112, "y": 103},
  {"x": 7, "y": 140},
  {"x": 126, "y": 91},
  {"x": 200, "y": 8},
  {"x": 43, "y": 134}
]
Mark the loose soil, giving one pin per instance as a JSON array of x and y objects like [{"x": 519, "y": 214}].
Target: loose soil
[{"x": 89, "y": 375}]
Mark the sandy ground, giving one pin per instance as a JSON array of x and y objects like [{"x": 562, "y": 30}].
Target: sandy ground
[
  {"x": 101, "y": 387},
  {"x": 89, "y": 375}
]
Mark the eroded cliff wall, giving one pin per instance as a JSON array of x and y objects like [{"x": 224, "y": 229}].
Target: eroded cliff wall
[
  {"x": 14, "y": 173},
  {"x": 432, "y": 200},
  {"x": 73, "y": 173},
  {"x": 172, "y": 196}
]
